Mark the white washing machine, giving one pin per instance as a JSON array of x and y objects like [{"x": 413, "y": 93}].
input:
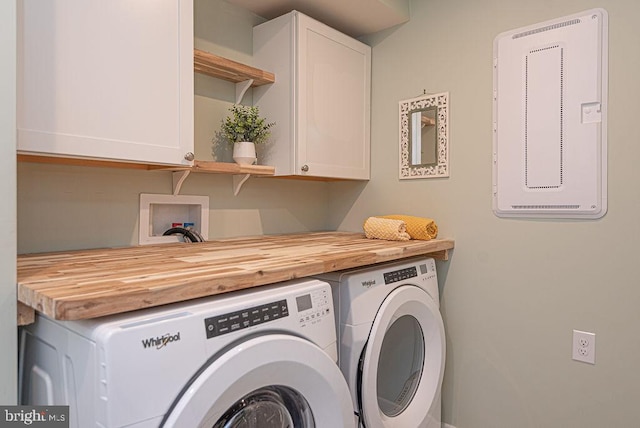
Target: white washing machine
[
  {"x": 264, "y": 357},
  {"x": 391, "y": 342}
]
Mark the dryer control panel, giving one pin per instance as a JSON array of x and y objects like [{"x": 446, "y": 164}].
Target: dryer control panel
[
  {"x": 427, "y": 271},
  {"x": 237, "y": 320},
  {"x": 400, "y": 275}
]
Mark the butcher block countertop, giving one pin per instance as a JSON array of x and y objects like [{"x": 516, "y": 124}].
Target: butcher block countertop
[{"x": 92, "y": 283}]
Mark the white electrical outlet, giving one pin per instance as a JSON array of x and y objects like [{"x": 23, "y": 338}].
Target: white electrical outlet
[{"x": 584, "y": 346}]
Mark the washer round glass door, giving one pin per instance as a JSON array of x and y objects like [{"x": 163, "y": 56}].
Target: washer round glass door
[
  {"x": 403, "y": 363},
  {"x": 275, "y": 380},
  {"x": 269, "y": 407}
]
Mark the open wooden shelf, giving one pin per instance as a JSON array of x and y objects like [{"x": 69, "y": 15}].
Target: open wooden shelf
[
  {"x": 226, "y": 69},
  {"x": 241, "y": 173},
  {"x": 219, "y": 168}
]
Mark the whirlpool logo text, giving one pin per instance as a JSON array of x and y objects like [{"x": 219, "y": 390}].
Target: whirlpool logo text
[
  {"x": 369, "y": 283},
  {"x": 160, "y": 342}
]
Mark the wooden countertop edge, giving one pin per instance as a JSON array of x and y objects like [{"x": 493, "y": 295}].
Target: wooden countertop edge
[
  {"x": 26, "y": 314},
  {"x": 85, "y": 307}
]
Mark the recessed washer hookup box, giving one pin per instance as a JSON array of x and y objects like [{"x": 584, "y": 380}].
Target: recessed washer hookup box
[{"x": 159, "y": 213}]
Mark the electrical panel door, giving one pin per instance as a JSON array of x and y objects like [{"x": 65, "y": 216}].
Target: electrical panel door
[{"x": 550, "y": 111}]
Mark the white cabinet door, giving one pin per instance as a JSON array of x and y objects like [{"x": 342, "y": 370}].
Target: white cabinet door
[
  {"x": 320, "y": 100},
  {"x": 106, "y": 79}
]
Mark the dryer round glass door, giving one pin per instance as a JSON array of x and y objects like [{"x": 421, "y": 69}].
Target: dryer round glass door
[
  {"x": 266, "y": 381},
  {"x": 402, "y": 367}
]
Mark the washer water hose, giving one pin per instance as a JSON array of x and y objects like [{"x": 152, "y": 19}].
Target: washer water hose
[{"x": 189, "y": 234}]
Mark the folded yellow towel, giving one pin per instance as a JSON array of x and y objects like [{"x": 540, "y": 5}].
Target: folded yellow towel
[
  {"x": 389, "y": 229},
  {"x": 417, "y": 227}
]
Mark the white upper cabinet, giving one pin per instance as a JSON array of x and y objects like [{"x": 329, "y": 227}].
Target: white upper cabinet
[
  {"x": 106, "y": 79},
  {"x": 320, "y": 100}
]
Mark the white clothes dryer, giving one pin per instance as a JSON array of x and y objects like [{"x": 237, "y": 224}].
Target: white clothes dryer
[
  {"x": 391, "y": 342},
  {"x": 264, "y": 357}
]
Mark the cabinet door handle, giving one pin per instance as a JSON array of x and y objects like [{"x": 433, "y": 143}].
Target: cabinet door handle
[
  {"x": 189, "y": 156},
  {"x": 305, "y": 168}
]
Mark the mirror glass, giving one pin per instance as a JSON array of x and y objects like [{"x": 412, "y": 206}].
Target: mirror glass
[{"x": 423, "y": 136}]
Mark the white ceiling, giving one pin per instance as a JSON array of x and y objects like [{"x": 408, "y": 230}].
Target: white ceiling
[{"x": 352, "y": 17}]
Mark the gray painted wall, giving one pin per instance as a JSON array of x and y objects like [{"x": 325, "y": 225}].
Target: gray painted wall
[
  {"x": 513, "y": 289},
  {"x": 8, "y": 330}
]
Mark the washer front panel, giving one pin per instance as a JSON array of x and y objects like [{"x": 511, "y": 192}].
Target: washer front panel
[
  {"x": 154, "y": 352},
  {"x": 269, "y": 360}
]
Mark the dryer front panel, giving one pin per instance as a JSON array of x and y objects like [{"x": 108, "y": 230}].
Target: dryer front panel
[{"x": 402, "y": 366}]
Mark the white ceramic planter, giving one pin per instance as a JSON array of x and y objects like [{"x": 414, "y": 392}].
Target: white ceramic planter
[{"x": 244, "y": 153}]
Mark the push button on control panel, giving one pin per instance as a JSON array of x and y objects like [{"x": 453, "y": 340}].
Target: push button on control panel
[{"x": 238, "y": 320}]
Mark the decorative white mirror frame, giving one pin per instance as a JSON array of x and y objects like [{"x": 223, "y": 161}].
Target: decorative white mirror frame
[{"x": 440, "y": 168}]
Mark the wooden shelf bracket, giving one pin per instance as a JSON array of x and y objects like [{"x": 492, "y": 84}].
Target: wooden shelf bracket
[{"x": 240, "y": 173}]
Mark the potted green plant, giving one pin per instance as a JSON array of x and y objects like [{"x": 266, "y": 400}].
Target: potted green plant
[{"x": 244, "y": 128}]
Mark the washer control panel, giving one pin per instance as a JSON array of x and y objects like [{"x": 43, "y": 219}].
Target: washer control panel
[
  {"x": 238, "y": 320},
  {"x": 314, "y": 306}
]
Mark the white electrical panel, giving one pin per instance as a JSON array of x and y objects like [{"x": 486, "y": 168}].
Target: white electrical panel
[
  {"x": 159, "y": 213},
  {"x": 550, "y": 118}
]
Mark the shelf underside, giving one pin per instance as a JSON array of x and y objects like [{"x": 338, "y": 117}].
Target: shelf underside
[
  {"x": 198, "y": 166},
  {"x": 223, "y": 68}
]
